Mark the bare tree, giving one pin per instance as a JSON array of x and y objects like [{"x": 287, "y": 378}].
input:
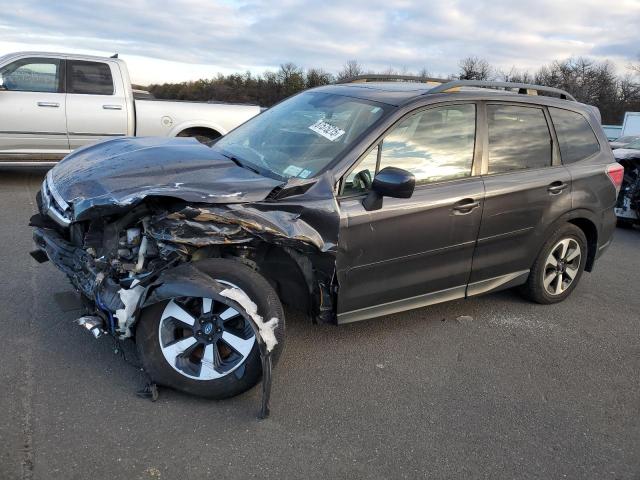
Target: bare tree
[
  {"x": 595, "y": 83},
  {"x": 349, "y": 70},
  {"x": 516, "y": 76},
  {"x": 590, "y": 82},
  {"x": 291, "y": 78},
  {"x": 317, "y": 77},
  {"x": 635, "y": 67},
  {"x": 389, "y": 71},
  {"x": 475, "y": 68}
]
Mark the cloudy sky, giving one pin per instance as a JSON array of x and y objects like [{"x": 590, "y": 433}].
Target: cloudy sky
[{"x": 188, "y": 39}]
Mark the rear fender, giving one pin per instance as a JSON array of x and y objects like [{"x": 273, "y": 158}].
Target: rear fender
[{"x": 181, "y": 127}]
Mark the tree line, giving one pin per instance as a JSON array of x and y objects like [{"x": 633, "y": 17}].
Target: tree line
[{"x": 589, "y": 81}]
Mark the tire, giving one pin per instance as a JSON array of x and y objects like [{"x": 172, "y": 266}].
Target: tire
[
  {"x": 202, "y": 135},
  {"x": 156, "y": 331},
  {"x": 536, "y": 289}
]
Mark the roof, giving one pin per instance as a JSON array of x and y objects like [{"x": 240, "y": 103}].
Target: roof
[
  {"x": 402, "y": 92},
  {"x": 57, "y": 55},
  {"x": 392, "y": 93}
]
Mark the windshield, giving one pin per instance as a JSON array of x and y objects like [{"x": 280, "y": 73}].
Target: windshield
[
  {"x": 634, "y": 145},
  {"x": 627, "y": 139},
  {"x": 301, "y": 136}
]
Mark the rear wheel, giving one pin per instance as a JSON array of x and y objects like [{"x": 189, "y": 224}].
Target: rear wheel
[
  {"x": 207, "y": 347},
  {"x": 203, "y": 135},
  {"x": 558, "y": 267}
]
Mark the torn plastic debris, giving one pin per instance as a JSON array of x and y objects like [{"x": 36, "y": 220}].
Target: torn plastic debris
[
  {"x": 130, "y": 299},
  {"x": 93, "y": 325},
  {"x": 266, "y": 329},
  {"x": 267, "y": 336}
]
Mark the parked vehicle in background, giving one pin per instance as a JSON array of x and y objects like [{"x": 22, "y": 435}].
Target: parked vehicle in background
[
  {"x": 622, "y": 142},
  {"x": 628, "y": 205},
  {"x": 630, "y": 124},
  {"x": 612, "y": 131},
  {"x": 347, "y": 202},
  {"x": 51, "y": 104}
]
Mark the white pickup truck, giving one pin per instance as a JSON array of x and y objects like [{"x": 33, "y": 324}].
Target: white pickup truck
[{"x": 52, "y": 103}]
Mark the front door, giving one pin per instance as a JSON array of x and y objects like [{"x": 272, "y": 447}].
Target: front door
[
  {"x": 414, "y": 251},
  {"x": 32, "y": 110},
  {"x": 96, "y": 102}
]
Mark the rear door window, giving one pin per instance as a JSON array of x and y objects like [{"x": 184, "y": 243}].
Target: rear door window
[
  {"x": 89, "y": 78},
  {"x": 519, "y": 138},
  {"x": 575, "y": 135}
]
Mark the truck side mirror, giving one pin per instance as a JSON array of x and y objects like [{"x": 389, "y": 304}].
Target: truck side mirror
[{"x": 389, "y": 182}]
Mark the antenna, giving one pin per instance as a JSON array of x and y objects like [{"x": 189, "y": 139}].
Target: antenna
[{"x": 115, "y": 55}]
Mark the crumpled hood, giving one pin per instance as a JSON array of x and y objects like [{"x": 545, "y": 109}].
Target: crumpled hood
[{"x": 121, "y": 172}]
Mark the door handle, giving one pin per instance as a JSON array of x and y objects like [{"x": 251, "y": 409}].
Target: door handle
[
  {"x": 464, "y": 206},
  {"x": 112, "y": 107},
  {"x": 48, "y": 104},
  {"x": 556, "y": 187}
]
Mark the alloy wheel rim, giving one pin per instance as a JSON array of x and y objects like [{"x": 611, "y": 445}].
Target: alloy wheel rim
[
  {"x": 204, "y": 339},
  {"x": 561, "y": 266}
]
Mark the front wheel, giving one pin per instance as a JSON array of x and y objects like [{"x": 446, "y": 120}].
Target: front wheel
[
  {"x": 558, "y": 267},
  {"x": 206, "y": 347}
]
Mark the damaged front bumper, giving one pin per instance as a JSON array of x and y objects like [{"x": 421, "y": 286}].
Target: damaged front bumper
[
  {"x": 52, "y": 204},
  {"x": 72, "y": 260},
  {"x": 104, "y": 297},
  {"x": 182, "y": 280}
]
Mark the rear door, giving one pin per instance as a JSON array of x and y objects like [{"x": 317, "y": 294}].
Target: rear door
[
  {"x": 526, "y": 189},
  {"x": 96, "y": 102},
  {"x": 32, "y": 108},
  {"x": 413, "y": 251}
]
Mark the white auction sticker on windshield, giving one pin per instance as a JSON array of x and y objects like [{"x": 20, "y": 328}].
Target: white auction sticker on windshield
[{"x": 328, "y": 131}]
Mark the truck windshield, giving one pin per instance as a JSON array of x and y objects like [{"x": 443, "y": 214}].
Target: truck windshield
[{"x": 301, "y": 136}]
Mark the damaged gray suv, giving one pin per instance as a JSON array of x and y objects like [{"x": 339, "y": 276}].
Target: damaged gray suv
[{"x": 346, "y": 202}]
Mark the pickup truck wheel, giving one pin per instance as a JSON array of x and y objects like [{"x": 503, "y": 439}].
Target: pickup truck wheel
[
  {"x": 203, "y": 135},
  {"x": 207, "y": 347},
  {"x": 558, "y": 267}
]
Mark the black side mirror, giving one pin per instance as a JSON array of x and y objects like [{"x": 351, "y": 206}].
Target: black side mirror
[{"x": 389, "y": 182}]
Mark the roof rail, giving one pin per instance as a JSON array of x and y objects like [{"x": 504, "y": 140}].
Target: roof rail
[
  {"x": 381, "y": 77},
  {"x": 523, "y": 88}
]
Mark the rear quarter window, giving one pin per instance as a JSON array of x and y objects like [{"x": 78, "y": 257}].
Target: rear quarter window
[{"x": 575, "y": 135}]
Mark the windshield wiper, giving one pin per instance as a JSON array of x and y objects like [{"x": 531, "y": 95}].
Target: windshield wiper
[{"x": 240, "y": 164}]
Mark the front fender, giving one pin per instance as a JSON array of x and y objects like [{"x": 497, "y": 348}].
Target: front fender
[
  {"x": 182, "y": 281},
  {"x": 187, "y": 280}
]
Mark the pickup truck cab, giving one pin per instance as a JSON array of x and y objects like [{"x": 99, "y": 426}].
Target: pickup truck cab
[{"x": 53, "y": 103}]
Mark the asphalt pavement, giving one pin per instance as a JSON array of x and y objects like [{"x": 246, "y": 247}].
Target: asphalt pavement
[{"x": 493, "y": 387}]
